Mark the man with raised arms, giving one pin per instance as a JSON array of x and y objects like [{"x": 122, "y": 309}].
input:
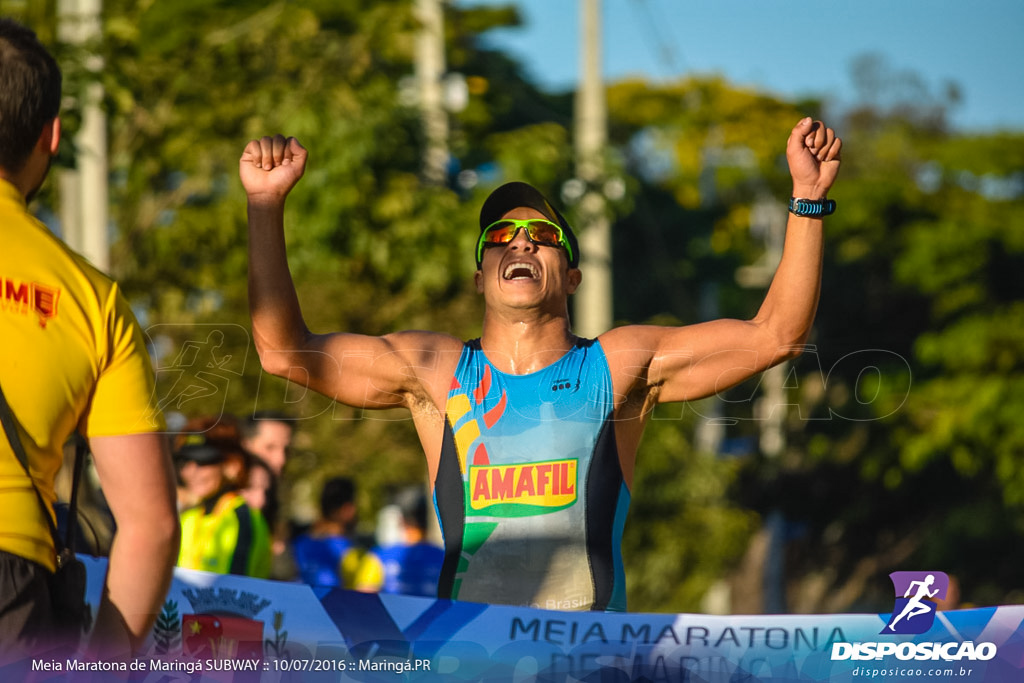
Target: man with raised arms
[{"x": 530, "y": 432}]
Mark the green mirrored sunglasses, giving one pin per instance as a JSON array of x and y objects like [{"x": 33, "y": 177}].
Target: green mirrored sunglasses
[{"x": 538, "y": 231}]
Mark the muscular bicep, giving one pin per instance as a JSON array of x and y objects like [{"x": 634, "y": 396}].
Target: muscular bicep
[
  {"x": 365, "y": 371},
  {"x": 353, "y": 369},
  {"x": 695, "y": 361}
]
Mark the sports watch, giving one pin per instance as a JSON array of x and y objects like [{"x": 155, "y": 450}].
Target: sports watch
[{"x": 815, "y": 208}]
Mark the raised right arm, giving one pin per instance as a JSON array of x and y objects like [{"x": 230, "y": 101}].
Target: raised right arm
[{"x": 354, "y": 369}]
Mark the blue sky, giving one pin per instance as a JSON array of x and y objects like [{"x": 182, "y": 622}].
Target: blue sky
[{"x": 792, "y": 47}]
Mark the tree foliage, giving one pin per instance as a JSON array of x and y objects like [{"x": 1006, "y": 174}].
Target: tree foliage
[
  {"x": 902, "y": 415},
  {"x": 903, "y": 418}
]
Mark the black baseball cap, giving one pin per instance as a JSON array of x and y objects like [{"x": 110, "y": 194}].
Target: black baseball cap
[
  {"x": 516, "y": 194},
  {"x": 200, "y": 451}
]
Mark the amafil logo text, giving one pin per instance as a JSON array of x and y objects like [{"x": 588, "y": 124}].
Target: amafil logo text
[{"x": 913, "y": 614}]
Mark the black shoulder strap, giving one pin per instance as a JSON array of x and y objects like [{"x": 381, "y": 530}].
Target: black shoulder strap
[{"x": 11, "y": 430}]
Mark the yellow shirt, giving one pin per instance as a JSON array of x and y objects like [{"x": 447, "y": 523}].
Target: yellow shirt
[{"x": 71, "y": 356}]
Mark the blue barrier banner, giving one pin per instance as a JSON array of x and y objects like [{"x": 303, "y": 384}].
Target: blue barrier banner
[{"x": 230, "y": 628}]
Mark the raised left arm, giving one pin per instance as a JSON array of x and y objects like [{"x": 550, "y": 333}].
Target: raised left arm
[
  {"x": 695, "y": 361},
  {"x": 788, "y": 309}
]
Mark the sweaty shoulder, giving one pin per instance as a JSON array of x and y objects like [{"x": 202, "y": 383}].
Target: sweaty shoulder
[
  {"x": 632, "y": 352},
  {"x": 426, "y": 350},
  {"x": 413, "y": 341},
  {"x": 429, "y": 356},
  {"x": 630, "y": 345}
]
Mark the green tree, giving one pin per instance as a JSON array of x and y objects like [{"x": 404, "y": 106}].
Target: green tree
[
  {"x": 903, "y": 414},
  {"x": 905, "y": 456},
  {"x": 369, "y": 245}
]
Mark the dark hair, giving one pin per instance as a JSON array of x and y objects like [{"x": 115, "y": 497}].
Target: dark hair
[
  {"x": 249, "y": 426},
  {"x": 30, "y": 83},
  {"x": 412, "y": 503},
  {"x": 271, "y": 505},
  {"x": 336, "y": 493},
  {"x": 218, "y": 431}
]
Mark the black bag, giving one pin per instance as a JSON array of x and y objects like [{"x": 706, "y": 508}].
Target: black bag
[
  {"x": 71, "y": 614},
  {"x": 67, "y": 595}
]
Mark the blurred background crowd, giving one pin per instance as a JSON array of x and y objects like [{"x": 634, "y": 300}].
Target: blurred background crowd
[{"x": 232, "y": 487}]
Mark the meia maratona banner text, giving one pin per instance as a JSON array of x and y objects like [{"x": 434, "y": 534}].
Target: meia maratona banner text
[{"x": 237, "y": 629}]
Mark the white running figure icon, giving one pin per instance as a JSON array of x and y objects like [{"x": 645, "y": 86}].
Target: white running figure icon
[{"x": 914, "y": 606}]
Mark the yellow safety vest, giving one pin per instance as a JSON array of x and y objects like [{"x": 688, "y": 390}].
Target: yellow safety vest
[{"x": 225, "y": 536}]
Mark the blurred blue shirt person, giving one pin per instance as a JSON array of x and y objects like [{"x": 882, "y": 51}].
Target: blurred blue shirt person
[
  {"x": 410, "y": 567},
  {"x": 328, "y": 555}
]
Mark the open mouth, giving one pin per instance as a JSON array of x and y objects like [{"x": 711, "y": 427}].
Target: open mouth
[{"x": 521, "y": 271}]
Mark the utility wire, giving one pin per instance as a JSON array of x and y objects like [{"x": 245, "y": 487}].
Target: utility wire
[{"x": 665, "y": 50}]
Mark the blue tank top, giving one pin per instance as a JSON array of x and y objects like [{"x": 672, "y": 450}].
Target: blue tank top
[{"x": 529, "y": 491}]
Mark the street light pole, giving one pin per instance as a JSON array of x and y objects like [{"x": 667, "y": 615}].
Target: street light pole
[
  {"x": 84, "y": 191},
  {"x": 593, "y": 301},
  {"x": 430, "y": 68}
]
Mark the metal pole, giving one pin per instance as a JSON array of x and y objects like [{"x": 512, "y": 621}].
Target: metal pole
[
  {"x": 84, "y": 190},
  {"x": 430, "y": 68},
  {"x": 593, "y": 301}
]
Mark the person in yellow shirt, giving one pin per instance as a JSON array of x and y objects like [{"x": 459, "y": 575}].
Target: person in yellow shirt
[
  {"x": 221, "y": 532},
  {"x": 74, "y": 358}
]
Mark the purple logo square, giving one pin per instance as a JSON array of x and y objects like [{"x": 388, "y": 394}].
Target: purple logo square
[{"x": 916, "y": 594}]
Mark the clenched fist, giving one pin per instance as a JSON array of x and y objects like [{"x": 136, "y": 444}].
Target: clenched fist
[
  {"x": 270, "y": 167},
  {"x": 813, "y": 155}
]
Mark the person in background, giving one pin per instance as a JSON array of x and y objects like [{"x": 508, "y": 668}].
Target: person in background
[
  {"x": 412, "y": 566},
  {"x": 268, "y": 436},
  {"x": 328, "y": 554},
  {"x": 260, "y": 489},
  {"x": 74, "y": 359},
  {"x": 221, "y": 532},
  {"x": 222, "y": 432}
]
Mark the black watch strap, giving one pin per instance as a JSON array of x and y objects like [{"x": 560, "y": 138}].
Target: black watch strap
[{"x": 815, "y": 208}]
